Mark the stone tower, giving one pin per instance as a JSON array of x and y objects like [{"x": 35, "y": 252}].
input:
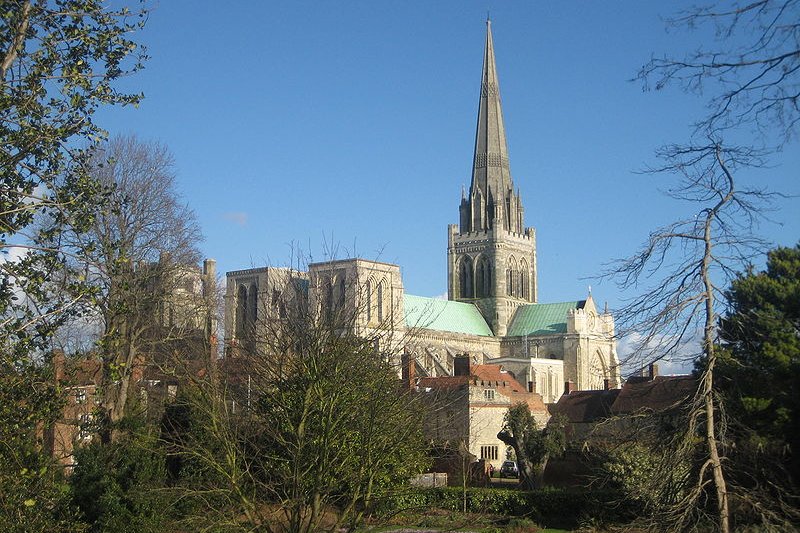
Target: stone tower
[{"x": 491, "y": 255}]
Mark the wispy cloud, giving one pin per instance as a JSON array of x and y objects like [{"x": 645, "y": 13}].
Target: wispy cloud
[
  {"x": 634, "y": 355},
  {"x": 237, "y": 217}
]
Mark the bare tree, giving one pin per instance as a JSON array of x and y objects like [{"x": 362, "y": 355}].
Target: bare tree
[
  {"x": 686, "y": 267},
  {"x": 751, "y": 76},
  {"x": 751, "y": 71},
  {"x": 139, "y": 256}
]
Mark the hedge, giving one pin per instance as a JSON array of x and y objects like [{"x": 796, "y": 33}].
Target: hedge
[{"x": 553, "y": 507}]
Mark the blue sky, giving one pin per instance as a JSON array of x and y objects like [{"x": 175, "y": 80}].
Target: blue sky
[{"x": 301, "y": 124}]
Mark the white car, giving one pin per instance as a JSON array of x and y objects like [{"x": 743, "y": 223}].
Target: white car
[{"x": 509, "y": 469}]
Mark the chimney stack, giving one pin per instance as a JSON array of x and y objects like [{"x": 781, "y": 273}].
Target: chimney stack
[
  {"x": 409, "y": 370},
  {"x": 59, "y": 361},
  {"x": 462, "y": 365},
  {"x": 569, "y": 386},
  {"x": 209, "y": 276},
  {"x": 652, "y": 371}
]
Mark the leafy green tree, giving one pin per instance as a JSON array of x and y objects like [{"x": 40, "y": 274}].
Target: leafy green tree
[
  {"x": 59, "y": 60},
  {"x": 59, "y": 65},
  {"x": 120, "y": 486},
  {"x": 532, "y": 446},
  {"x": 33, "y": 492}
]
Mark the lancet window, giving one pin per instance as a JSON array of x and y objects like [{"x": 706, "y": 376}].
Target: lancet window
[
  {"x": 379, "y": 302},
  {"x": 512, "y": 278},
  {"x": 483, "y": 278},
  {"x": 465, "y": 277},
  {"x": 524, "y": 276},
  {"x": 241, "y": 310},
  {"x": 368, "y": 300}
]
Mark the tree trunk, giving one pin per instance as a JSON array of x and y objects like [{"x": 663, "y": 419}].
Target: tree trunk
[
  {"x": 117, "y": 373},
  {"x": 528, "y": 475},
  {"x": 708, "y": 396},
  {"x": 708, "y": 342}
]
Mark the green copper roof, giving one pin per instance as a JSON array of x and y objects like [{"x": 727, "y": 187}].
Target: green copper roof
[
  {"x": 444, "y": 315},
  {"x": 542, "y": 319}
]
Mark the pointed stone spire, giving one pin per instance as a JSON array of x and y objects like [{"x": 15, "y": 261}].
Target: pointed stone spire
[{"x": 490, "y": 170}]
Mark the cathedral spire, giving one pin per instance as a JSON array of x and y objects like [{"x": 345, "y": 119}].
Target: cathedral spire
[
  {"x": 491, "y": 254},
  {"x": 490, "y": 169}
]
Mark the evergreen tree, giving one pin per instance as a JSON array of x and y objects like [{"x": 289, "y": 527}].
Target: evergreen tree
[{"x": 761, "y": 367}]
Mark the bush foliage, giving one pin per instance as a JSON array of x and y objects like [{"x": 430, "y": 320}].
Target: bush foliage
[{"x": 553, "y": 507}]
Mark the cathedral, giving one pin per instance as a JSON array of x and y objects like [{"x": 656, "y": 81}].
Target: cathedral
[{"x": 492, "y": 313}]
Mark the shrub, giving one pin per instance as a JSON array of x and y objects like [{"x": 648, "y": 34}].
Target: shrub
[
  {"x": 116, "y": 486},
  {"x": 554, "y": 507}
]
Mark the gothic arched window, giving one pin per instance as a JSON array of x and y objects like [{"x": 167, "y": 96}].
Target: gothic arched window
[
  {"x": 340, "y": 286},
  {"x": 483, "y": 278},
  {"x": 512, "y": 278},
  {"x": 379, "y": 301},
  {"x": 523, "y": 278},
  {"x": 327, "y": 296},
  {"x": 252, "y": 303},
  {"x": 368, "y": 300},
  {"x": 465, "y": 276},
  {"x": 241, "y": 310}
]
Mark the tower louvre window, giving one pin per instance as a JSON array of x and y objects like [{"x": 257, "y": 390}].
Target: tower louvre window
[
  {"x": 483, "y": 278},
  {"x": 489, "y": 453}
]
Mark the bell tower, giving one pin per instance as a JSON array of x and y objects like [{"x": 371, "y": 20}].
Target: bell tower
[{"x": 491, "y": 255}]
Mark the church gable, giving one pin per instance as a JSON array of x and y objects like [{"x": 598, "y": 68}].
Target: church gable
[{"x": 542, "y": 319}]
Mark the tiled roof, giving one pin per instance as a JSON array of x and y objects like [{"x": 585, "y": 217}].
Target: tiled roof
[
  {"x": 444, "y": 382},
  {"x": 586, "y": 406},
  {"x": 542, "y": 319},
  {"x": 660, "y": 394},
  {"x": 444, "y": 315},
  {"x": 495, "y": 373},
  {"x": 488, "y": 375}
]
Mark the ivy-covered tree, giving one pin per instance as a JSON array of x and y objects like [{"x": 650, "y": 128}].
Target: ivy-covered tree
[{"x": 532, "y": 446}]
